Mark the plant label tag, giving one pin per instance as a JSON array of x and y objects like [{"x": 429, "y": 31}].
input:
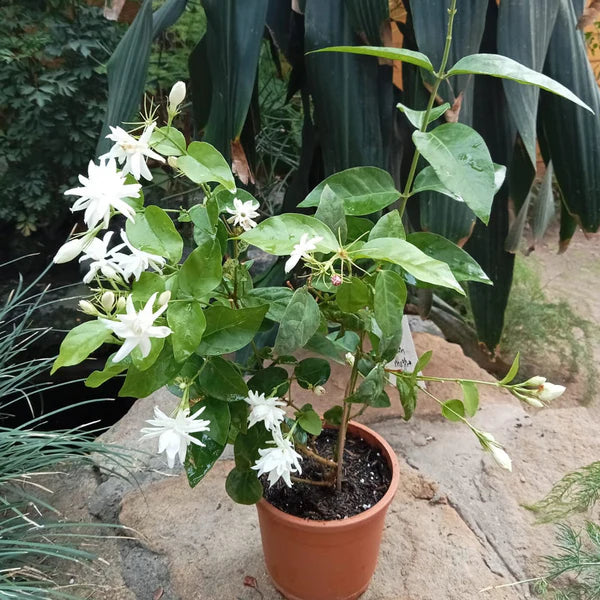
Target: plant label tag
[{"x": 406, "y": 358}]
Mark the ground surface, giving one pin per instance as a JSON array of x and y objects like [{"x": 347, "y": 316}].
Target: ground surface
[{"x": 456, "y": 526}]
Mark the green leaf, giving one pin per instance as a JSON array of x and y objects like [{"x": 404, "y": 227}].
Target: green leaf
[
  {"x": 411, "y": 259},
  {"x": 363, "y": 190},
  {"x": 247, "y": 445},
  {"x": 148, "y": 284},
  {"x": 140, "y": 384},
  {"x": 187, "y": 322},
  {"x": 390, "y": 298},
  {"x": 201, "y": 272},
  {"x": 389, "y": 226},
  {"x": 154, "y": 232},
  {"x": 357, "y": 228},
  {"x": 203, "y": 163},
  {"x": 402, "y": 54},
  {"x": 278, "y": 235},
  {"x": 80, "y": 342},
  {"x": 496, "y": 65},
  {"x": 239, "y": 419},
  {"x": 300, "y": 322},
  {"x": 221, "y": 379},
  {"x": 370, "y": 388},
  {"x": 422, "y": 362},
  {"x": 97, "y": 378},
  {"x": 217, "y": 413},
  {"x": 277, "y": 299},
  {"x": 381, "y": 401},
  {"x": 309, "y": 420},
  {"x": 331, "y": 212},
  {"x": 453, "y": 410},
  {"x": 417, "y": 117},
  {"x": 334, "y": 415},
  {"x": 143, "y": 363},
  {"x": 512, "y": 372},
  {"x": 205, "y": 221},
  {"x": 462, "y": 265},
  {"x": 353, "y": 295},
  {"x": 168, "y": 141},
  {"x": 243, "y": 486},
  {"x": 311, "y": 372},
  {"x": 470, "y": 397},
  {"x": 272, "y": 381},
  {"x": 462, "y": 162},
  {"x": 228, "y": 329},
  {"x": 408, "y": 396}
]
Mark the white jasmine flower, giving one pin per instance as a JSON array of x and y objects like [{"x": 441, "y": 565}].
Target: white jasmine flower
[
  {"x": 103, "y": 261},
  {"x": 279, "y": 461},
  {"x": 103, "y": 190},
  {"x": 174, "y": 433},
  {"x": 138, "y": 261},
  {"x": 538, "y": 390},
  {"x": 265, "y": 409},
  {"x": 498, "y": 453},
  {"x": 243, "y": 214},
  {"x": 176, "y": 96},
  {"x": 137, "y": 328},
  {"x": 349, "y": 359},
  {"x": 549, "y": 391},
  {"x": 132, "y": 152},
  {"x": 301, "y": 250}
]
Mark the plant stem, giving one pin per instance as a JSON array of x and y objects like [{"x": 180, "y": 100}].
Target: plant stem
[
  {"x": 344, "y": 424},
  {"x": 310, "y": 481},
  {"x": 439, "y": 77},
  {"x": 308, "y": 452}
]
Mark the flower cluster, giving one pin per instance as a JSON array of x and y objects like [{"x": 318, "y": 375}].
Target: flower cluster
[
  {"x": 281, "y": 459},
  {"x": 537, "y": 391}
]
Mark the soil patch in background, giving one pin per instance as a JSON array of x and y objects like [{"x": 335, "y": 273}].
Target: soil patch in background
[{"x": 367, "y": 477}]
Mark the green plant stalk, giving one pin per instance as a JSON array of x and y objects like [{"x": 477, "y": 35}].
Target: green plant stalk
[{"x": 439, "y": 77}]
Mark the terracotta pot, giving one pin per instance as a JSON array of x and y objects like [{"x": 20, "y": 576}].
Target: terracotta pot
[{"x": 326, "y": 560}]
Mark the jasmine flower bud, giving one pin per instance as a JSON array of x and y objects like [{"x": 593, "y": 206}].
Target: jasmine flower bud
[
  {"x": 176, "y": 96},
  {"x": 349, "y": 359},
  {"x": 88, "y": 308},
  {"x": 164, "y": 298},
  {"x": 489, "y": 443},
  {"x": 319, "y": 390},
  {"x": 68, "y": 251},
  {"x": 107, "y": 301}
]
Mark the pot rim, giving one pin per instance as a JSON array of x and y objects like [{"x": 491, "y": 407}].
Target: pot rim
[{"x": 349, "y": 522}]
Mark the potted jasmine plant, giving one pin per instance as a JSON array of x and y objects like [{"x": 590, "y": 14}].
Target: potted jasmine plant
[{"x": 178, "y": 322}]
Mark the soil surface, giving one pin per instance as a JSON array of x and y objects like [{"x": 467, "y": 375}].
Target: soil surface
[{"x": 367, "y": 477}]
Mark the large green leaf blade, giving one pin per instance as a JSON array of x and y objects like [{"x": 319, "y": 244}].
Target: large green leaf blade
[
  {"x": 299, "y": 323},
  {"x": 496, "y": 65},
  {"x": 462, "y": 162}
]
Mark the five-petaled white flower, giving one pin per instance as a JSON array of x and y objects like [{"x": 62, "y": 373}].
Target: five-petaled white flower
[
  {"x": 301, "y": 250},
  {"x": 102, "y": 190},
  {"x": 174, "y": 433},
  {"x": 132, "y": 152},
  {"x": 138, "y": 261},
  {"x": 243, "y": 214},
  {"x": 279, "y": 461},
  {"x": 488, "y": 441},
  {"x": 137, "y": 328},
  {"x": 103, "y": 261},
  {"x": 265, "y": 409}
]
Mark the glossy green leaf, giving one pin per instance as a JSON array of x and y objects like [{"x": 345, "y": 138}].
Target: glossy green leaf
[
  {"x": 453, "y": 410},
  {"x": 300, "y": 322},
  {"x": 168, "y": 141},
  {"x": 408, "y": 396},
  {"x": 370, "y": 388},
  {"x": 228, "y": 329},
  {"x": 154, "y": 232},
  {"x": 512, "y": 372},
  {"x": 222, "y": 380},
  {"x": 334, "y": 415},
  {"x": 388, "y": 226},
  {"x": 462, "y": 265},
  {"x": 202, "y": 271},
  {"x": 470, "y": 398},
  {"x": 412, "y": 260},
  {"x": 203, "y": 163},
  {"x": 97, "y": 378},
  {"x": 358, "y": 227},
  {"x": 417, "y": 117},
  {"x": 80, "y": 342},
  {"x": 363, "y": 190},
  {"x": 243, "y": 486},
  {"x": 148, "y": 284},
  {"x": 402, "y": 54},
  {"x": 187, "y": 322},
  {"x": 309, "y": 420},
  {"x": 353, "y": 295},
  {"x": 272, "y": 381},
  {"x": 277, "y": 298},
  {"x": 496, "y": 65},
  {"x": 390, "y": 298},
  {"x": 462, "y": 162},
  {"x": 278, "y": 235},
  {"x": 331, "y": 212},
  {"x": 145, "y": 362},
  {"x": 246, "y": 446},
  {"x": 311, "y": 372}
]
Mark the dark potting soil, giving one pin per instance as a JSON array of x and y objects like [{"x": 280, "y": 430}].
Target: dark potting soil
[{"x": 367, "y": 477}]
